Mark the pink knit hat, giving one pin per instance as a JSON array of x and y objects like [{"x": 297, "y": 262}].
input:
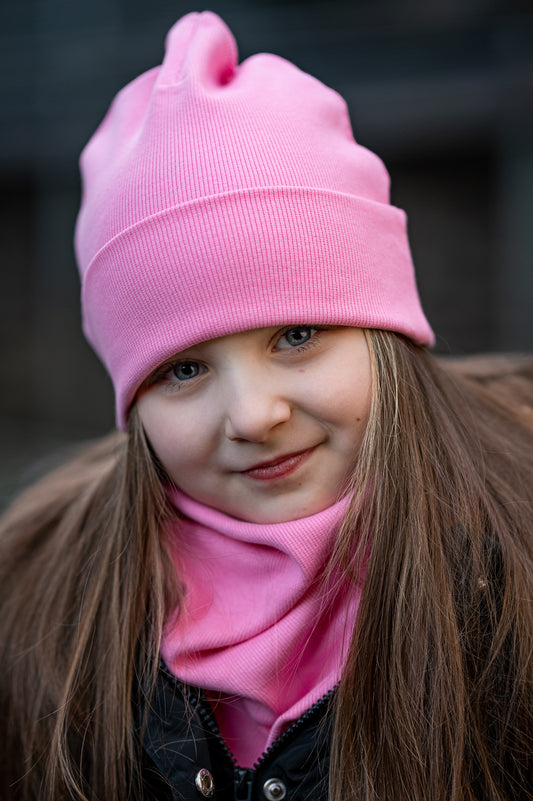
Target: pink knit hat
[{"x": 220, "y": 197}]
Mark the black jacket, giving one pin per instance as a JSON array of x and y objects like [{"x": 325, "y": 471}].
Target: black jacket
[{"x": 186, "y": 759}]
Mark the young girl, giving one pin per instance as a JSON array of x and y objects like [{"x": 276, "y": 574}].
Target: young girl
[{"x": 305, "y": 571}]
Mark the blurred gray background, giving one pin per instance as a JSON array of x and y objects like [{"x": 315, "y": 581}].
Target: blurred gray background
[{"x": 441, "y": 89}]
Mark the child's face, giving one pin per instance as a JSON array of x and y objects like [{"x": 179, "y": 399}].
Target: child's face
[{"x": 263, "y": 425}]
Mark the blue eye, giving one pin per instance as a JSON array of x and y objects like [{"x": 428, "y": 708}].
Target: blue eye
[
  {"x": 297, "y": 336},
  {"x": 183, "y": 371}
]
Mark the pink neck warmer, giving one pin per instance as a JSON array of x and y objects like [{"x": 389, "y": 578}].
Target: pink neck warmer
[{"x": 257, "y": 630}]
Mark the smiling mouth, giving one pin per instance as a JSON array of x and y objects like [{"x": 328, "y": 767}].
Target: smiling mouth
[{"x": 278, "y": 467}]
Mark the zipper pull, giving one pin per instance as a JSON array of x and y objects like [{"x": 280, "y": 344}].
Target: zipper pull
[{"x": 242, "y": 785}]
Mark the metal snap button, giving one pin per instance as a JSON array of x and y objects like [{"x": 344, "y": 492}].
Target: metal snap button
[
  {"x": 205, "y": 783},
  {"x": 274, "y": 790}
]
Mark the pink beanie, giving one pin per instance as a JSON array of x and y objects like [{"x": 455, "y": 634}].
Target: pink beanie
[{"x": 220, "y": 197}]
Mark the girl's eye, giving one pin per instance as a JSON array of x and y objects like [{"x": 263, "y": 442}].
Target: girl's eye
[
  {"x": 184, "y": 371},
  {"x": 173, "y": 375},
  {"x": 299, "y": 336}
]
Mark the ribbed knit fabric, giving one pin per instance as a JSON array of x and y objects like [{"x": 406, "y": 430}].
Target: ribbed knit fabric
[
  {"x": 257, "y": 629},
  {"x": 220, "y": 197}
]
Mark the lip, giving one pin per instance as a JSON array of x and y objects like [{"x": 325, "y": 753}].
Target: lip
[{"x": 278, "y": 468}]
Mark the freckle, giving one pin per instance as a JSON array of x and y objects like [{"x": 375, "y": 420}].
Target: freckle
[{"x": 358, "y": 419}]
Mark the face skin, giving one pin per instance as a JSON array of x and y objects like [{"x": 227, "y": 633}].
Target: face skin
[{"x": 263, "y": 425}]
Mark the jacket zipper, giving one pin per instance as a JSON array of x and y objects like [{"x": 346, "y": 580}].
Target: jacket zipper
[
  {"x": 243, "y": 778},
  {"x": 286, "y": 736}
]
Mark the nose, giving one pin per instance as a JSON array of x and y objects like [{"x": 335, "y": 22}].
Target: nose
[{"x": 254, "y": 407}]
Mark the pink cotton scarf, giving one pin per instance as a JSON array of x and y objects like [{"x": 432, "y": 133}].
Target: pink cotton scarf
[{"x": 258, "y": 630}]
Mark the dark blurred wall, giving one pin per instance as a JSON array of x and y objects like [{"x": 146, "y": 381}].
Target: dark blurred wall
[{"x": 442, "y": 90}]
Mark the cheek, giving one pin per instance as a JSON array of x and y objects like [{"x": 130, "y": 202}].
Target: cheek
[
  {"x": 176, "y": 440},
  {"x": 349, "y": 399},
  {"x": 350, "y": 403},
  {"x": 362, "y": 398}
]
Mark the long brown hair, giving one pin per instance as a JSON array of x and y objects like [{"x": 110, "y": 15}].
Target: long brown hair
[
  {"x": 436, "y": 698},
  {"x": 85, "y": 588}
]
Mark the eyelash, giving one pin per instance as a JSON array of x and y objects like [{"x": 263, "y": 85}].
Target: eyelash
[
  {"x": 310, "y": 343},
  {"x": 161, "y": 375}
]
